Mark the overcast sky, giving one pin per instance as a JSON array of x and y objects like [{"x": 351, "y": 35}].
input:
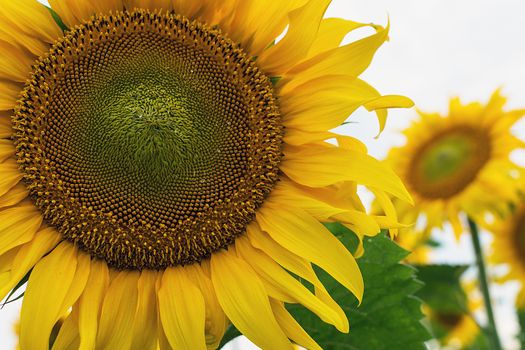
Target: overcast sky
[{"x": 438, "y": 49}]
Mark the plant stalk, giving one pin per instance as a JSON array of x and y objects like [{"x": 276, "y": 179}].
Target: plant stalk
[{"x": 491, "y": 327}]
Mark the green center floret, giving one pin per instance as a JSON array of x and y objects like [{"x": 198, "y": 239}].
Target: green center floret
[
  {"x": 150, "y": 130},
  {"x": 448, "y": 162}
]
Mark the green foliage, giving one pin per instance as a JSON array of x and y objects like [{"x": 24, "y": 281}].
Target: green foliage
[
  {"x": 389, "y": 316},
  {"x": 442, "y": 290},
  {"x": 521, "y": 335},
  {"x": 231, "y": 333},
  {"x": 275, "y": 79},
  {"x": 480, "y": 343},
  {"x": 57, "y": 19},
  {"x": 444, "y": 294},
  {"x": 9, "y": 299}
]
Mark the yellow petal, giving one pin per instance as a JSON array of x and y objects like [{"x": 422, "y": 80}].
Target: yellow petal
[
  {"x": 18, "y": 225},
  {"x": 79, "y": 281},
  {"x": 325, "y": 103},
  {"x": 5, "y": 124},
  {"x": 313, "y": 166},
  {"x": 245, "y": 301},
  {"x": 9, "y": 92},
  {"x": 68, "y": 337},
  {"x": 46, "y": 291},
  {"x": 298, "y": 137},
  {"x": 351, "y": 60},
  {"x": 90, "y": 304},
  {"x": 331, "y": 33},
  {"x": 190, "y": 9},
  {"x": 5, "y": 128},
  {"x": 145, "y": 327},
  {"x": 294, "y": 264},
  {"x": 286, "y": 192},
  {"x": 28, "y": 255},
  {"x": 182, "y": 310},
  {"x": 13, "y": 36},
  {"x": 302, "y": 31},
  {"x": 324, "y": 205},
  {"x": 389, "y": 101},
  {"x": 118, "y": 312},
  {"x": 14, "y": 196},
  {"x": 455, "y": 221},
  {"x": 7, "y": 149},
  {"x": 257, "y": 23},
  {"x": 303, "y": 235},
  {"x": 215, "y": 12},
  {"x": 152, "y": 5},
  {"x": 9, "y": 175},
  {"x": 15, "y": 64},
  {"x": 381, "y": 104},
  {"x": 6, "y": 265},
  {"x": 216, "y": 321},
  {"x": 387, "y": 206},
  {"x": 291, "y": 328},
  {"x": 31, "y": 18},
  {"x": 163, "y": 341},
  {"x": 351, "y": 143},
  {"x": 73, "y": 12},
  {"x": 275, "y": 278}
]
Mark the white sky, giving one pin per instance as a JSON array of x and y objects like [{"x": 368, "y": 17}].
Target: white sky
[{"x": 438, "y": 49}]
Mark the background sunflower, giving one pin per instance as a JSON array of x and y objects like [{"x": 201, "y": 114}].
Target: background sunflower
[{"x": 459, "y": 163}]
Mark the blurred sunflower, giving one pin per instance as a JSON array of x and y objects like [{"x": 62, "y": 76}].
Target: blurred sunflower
[
  {"x": 457, "y": 330},
  {"x": 459, "y": 163},
  {"x": 508, "y": 247},
  {"x": 163, "y": 167}
]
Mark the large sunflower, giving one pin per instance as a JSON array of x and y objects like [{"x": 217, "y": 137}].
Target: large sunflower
[
  {"x": 459, "y": 163},
  {"x": 164, "y": 167}
]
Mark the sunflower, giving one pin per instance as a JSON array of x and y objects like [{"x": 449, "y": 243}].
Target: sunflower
[
  {"x": 456, "y": 329},
  {"x": 508, "y": 246},
  {"x": 165, "y": 166},
  {"x": 459, "y": 163}
]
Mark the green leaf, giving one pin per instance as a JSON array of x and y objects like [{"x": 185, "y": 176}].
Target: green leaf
[
  {"x": 389, "y": 317},
  {"x": 275, "y": 79},
  {"x": 480, "y": 343},
  {"x": 57, "y": 19},
  {"x": 19, "y": 285},
  {"x": 444, "y": 295},
  {"x": 347, "y": 237},
  {"x": 432, "y": 243},
  {"x": 521, "y": 334},
  {"x": 442, "y": 291},
  {"x": 231, "y": 333}
]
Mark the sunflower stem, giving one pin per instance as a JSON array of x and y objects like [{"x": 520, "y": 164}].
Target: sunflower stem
[{"x": 491, "y": 327}]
